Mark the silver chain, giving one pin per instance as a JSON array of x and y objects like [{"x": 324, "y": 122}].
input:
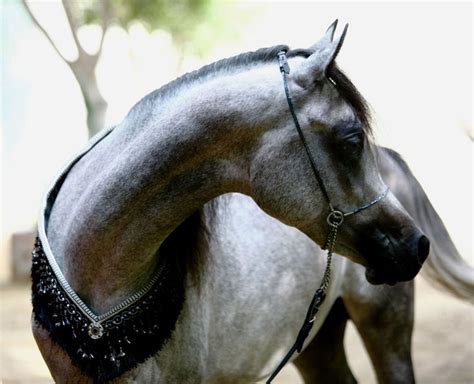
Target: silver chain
[
  {"x": 331, "y": 241},
  {"x": 334, "y": 219}
]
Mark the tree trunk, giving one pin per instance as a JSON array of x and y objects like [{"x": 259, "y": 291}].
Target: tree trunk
[
  {"x": 84, "y": 66},
  {"x": 96, "y": 105},
  {"x": 96, "y": 112}
]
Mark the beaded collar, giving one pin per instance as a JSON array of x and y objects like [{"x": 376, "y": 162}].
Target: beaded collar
[{"x": 107, "y": 345}]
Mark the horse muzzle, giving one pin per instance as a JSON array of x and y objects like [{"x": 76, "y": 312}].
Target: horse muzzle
[{"x": 396, "y": 261}]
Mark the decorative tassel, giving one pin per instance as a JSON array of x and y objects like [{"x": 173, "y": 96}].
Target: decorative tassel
[{"x": 106, "y": 350}]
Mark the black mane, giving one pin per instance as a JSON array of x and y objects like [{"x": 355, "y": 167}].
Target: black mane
[
  {"x": 246, "y": 60},
  {"x": 241, "y": 61}
]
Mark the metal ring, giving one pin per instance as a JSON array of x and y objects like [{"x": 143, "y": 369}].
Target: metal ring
[{"x": 335, "y": 218}]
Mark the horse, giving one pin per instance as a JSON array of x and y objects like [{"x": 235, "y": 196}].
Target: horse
[
  {"x": 384, "y": 315},
  {"x": 118, "y": 295}
]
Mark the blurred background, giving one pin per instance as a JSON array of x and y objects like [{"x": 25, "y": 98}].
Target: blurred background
[{"x": 70, "y": 68}]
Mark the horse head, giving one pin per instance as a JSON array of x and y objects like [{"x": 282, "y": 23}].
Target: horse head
[{"x": 335, "y": 145}]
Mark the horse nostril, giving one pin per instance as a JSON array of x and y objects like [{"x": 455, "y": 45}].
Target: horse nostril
[{"x": 423, "y": 248}]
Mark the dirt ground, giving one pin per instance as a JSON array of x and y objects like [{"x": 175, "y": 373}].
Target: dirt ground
[{"x": 443, "y": 341}]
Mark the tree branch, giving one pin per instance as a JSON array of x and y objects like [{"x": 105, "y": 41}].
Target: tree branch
[
  {"x": 106, "y": 17},
  {"x": 74, "y": 26},
  {"x": 42, "y": 29}
]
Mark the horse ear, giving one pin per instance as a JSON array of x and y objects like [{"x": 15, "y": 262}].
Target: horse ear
[
  {"x": 326, "y": 50},
  {"x": 326, "y": 39}
]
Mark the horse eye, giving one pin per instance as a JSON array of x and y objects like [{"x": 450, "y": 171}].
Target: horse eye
[
  {"x": 353, "y": 137},
  {"x": 353, "y": 142}
]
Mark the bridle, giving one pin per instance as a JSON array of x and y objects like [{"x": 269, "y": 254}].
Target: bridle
[{"x": 334, "y": 219}]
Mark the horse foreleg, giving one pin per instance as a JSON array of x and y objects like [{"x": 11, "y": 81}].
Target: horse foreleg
[
  {"x": 60, "y": 366},
  {"x": 383, "y": 316},
  {"x": 324, "y": 359}
]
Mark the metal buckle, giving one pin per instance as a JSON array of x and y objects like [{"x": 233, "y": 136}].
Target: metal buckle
[{"x": 283, "y": 62}]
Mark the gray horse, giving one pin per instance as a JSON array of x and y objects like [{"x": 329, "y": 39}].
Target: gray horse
[
  {"x": 382, "y": 314},
  {"x": 116, "y": 222}
]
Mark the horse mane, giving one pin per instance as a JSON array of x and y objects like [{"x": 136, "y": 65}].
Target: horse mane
[
  {"x": 239, "y": 62},
  {"x": 246, "y": 60}
]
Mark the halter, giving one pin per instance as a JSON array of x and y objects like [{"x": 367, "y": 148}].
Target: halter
[{"x": 334, "y": 219}]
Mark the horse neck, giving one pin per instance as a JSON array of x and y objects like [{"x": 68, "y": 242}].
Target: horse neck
[{"x": 141, "y": 185}]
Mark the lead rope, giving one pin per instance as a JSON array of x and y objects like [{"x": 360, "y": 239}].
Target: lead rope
[{"x": 334, "y": 220}]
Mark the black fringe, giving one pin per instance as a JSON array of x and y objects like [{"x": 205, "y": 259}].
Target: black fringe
[{"x": 129, "y": 338}]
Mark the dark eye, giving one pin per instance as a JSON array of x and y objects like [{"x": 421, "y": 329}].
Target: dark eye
[
  {"x": 353, "y": 143},
  {"x": 350, "y": 138}
]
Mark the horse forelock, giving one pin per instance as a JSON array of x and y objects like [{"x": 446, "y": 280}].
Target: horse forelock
[
  {"x": 346, "y": 89},
  {"x": 351, "y": 94}
]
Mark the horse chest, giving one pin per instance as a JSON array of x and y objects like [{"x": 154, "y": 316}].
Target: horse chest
[{"x": 236, "y": 330}]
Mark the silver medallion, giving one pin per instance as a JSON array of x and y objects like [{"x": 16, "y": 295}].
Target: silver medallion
[{"x": 96, "y": 331}]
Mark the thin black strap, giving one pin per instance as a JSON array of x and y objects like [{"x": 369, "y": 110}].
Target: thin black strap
[
  {"x": 334, "y": 220},
  {"x": 285, "y": 70},
  {"x": 320, "y": 293},
  {"x": 305, "y": 329},
  {"x": 282, "y": 364}
]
